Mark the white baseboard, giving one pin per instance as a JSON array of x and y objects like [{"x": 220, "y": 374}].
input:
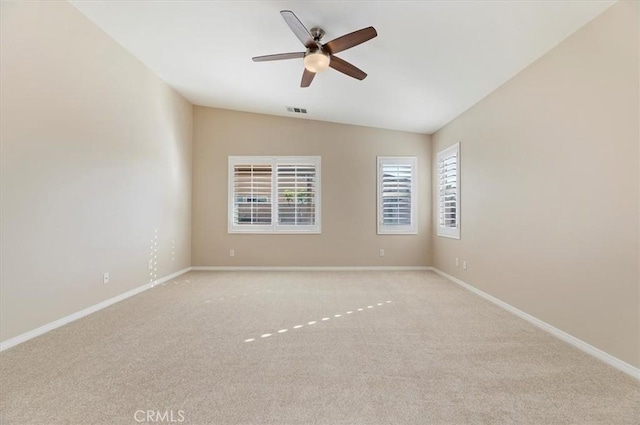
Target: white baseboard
[
  {"x": 568, "y": 338},
  {"x": 82, "y": 313},
  {"x": 309, "y": 268}
]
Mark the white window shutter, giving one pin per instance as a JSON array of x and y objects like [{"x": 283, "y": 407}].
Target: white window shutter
[
  {"x": 296, "y": 194},
  {"x": 252, "y": 194},
  {"x": 448, "y": 172},
  {"x": 397, "y": 195}
]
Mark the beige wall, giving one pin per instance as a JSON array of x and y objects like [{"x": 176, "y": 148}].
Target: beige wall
[
  {"x": 549, "y": 215},
  {"x": 348, "y": 155},
  {"x": 96, "y": 155}
]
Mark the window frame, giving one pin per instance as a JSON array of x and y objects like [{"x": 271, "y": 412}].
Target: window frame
[
  {"x": 273, "y": 227},
  {"x": 442, "y": 231},
  {"x": 386, "y": 229}
]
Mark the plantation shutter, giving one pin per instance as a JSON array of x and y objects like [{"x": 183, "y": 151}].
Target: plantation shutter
[
  {"x": 396, "y": 194},
  {"x": 252, "y": 194},
  {"x": 448, "y": 192},
  {"x": 396, "y": 197},
  {"x": 448, "y": 171},
  {"x": 296, "y": 191}
]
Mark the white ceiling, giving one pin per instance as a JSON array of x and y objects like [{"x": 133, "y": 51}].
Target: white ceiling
[{"x": 431, "y": 60}]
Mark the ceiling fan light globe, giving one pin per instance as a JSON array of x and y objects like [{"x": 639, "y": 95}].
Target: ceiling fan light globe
[{"x": 316, "y": 61}]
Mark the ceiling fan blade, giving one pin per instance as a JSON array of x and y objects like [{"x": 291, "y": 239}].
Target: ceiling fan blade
[
  {"x": 298, "y": 29},
  {"x": 350, "y": 40},
  {"x": 346, "y": 68},
  {"x": 278, "y": 57},
  {"x": 307, "y": 78}
]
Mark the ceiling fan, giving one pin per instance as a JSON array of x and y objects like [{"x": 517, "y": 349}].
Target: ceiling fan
[{"x": 319, "y": 56}]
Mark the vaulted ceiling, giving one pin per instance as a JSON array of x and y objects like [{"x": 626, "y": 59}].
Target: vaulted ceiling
[{"x": 431, "y": 60}]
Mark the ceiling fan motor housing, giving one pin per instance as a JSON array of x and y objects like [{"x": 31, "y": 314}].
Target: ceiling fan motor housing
[{"x": 317, "y": 34}]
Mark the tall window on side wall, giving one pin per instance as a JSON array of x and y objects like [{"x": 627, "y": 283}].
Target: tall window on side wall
[
  {"x": 397, "y": 195},
  {"x": 449, "y": 192},
  {"x": 274, "y": 194}
]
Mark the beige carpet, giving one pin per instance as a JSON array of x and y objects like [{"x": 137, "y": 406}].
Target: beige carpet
[{"x": 396, "y": 348}]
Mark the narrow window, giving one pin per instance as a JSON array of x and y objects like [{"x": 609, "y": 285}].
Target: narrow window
[
  {"x": 449, "y": 192},
  {"x": 397, "y": 195}
]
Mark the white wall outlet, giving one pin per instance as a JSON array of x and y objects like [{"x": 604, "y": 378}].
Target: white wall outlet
[
  {"x": 464, "y": 264},
  {"x": 232, "y": 253},
  {"x": 382, "y": 252},
  {"x": 150, "y": 265},
  {"x": 105, "y": 278},
  {"x": 457, "y": 262}
]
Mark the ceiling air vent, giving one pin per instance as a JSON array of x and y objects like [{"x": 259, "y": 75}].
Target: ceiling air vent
[{"x": 296, "y": 110}]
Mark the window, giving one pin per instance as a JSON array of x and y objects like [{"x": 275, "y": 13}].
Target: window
[
  {"x": 274, "y": 194},
  {"x": 397, "y": 195},
  {"x": 449, "y": 192}
]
